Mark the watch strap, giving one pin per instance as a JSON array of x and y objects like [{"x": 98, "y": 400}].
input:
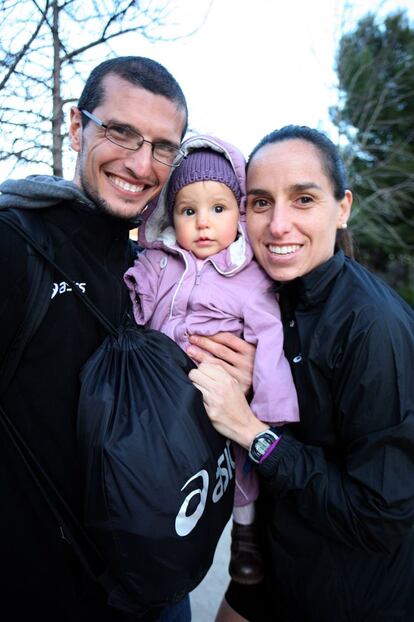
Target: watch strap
[{"x": 270, "y": 449}]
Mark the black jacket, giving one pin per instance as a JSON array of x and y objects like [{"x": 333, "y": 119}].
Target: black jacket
[
  {"x": 338, "y": 490},
  {"x": 40, "y": 576}
]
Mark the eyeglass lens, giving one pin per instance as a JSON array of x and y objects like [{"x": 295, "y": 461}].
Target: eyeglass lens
[{"x": 129, "y": 139}]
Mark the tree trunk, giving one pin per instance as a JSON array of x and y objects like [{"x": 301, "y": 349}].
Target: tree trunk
[{"x": 57, "y": 117}]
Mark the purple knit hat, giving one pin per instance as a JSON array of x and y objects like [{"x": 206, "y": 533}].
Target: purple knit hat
[{"x": 202, "y": 165}]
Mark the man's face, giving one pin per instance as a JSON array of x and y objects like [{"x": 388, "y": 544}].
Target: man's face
[{"x": 122, "y": 182}]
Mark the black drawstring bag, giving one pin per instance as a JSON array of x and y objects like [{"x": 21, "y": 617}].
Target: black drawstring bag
[{"x": 159, "y": 478}]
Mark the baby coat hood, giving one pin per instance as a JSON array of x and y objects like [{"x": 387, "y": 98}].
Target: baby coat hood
[{"x": 156, "y": 230}]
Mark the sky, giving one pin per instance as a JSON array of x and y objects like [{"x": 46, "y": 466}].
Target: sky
[{"x": 253, "y": 66}]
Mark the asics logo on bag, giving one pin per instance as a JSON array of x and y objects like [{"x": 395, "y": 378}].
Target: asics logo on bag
[
  {"x": 185, "y": 523},
  {"x": 63, "y": 288}
]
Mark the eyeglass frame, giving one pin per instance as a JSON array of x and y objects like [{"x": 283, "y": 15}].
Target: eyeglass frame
[{"x": 92, "y": 117}]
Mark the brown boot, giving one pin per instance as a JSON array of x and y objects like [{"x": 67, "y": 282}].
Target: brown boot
[{"x": 246, "y": 562}]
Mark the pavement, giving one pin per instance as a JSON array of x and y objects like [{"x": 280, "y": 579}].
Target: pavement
[{"x": 206, "y": 598}]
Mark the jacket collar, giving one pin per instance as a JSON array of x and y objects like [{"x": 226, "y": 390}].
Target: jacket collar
[{"x": 313, "y": 288}]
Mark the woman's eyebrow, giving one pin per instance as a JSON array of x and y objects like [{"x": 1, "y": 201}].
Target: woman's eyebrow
[
  {"x": 307, "y": 185},
  {"x": 300, "y": 187}
]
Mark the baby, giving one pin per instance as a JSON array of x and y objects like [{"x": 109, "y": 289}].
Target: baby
[{"x": 197, "y": 275}]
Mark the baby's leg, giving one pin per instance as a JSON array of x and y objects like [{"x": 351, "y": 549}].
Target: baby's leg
[
  {"x": 246, "y": 564},
  {"x": 244, "y": 514},
  {"x": 246, "y": 489}
]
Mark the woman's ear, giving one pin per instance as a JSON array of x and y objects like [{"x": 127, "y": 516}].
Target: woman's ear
[{"x": 344, "y": 209}]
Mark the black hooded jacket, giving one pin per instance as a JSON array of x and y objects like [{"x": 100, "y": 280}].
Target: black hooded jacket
[
  {"x": 338, "y": 490},
  {"x": 40, "y": 576}
]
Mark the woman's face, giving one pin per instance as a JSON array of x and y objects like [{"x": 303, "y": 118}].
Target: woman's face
[{"x": 292, "y": 214}]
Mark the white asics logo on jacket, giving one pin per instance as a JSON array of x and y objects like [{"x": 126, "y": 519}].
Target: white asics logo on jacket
[{"x": 63, "y": 287}]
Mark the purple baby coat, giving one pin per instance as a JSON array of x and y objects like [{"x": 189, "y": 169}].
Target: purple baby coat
[
  {"x": 169, "y": 294},
  {"x": 172, "y": 292}
]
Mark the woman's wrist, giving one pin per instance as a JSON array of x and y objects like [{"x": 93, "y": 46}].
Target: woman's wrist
[{"x": 249, "y": 432}]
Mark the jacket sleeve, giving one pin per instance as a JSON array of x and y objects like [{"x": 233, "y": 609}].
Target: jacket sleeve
[
  {"x": 142, "y": 280},
  {"x": 364, "y": 496},
  {"x": 274, "y": 394}
]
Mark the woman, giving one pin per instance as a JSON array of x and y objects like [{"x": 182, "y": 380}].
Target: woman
[{"x": 337, "y": 489}]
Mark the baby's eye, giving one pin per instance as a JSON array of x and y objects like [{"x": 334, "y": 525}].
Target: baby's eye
[
  {"x": 218, "y": 209},
  {"x": 189, "y": 211}
]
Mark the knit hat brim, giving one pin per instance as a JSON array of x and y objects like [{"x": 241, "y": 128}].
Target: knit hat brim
[{"x": 202, "y": 165}]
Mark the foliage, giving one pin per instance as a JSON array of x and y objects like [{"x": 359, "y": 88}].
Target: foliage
[
  {"x": 375, "y": 116},
  {"x": 47, "y": 47}
]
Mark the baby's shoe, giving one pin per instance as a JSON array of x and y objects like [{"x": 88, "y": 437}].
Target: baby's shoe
[{"x": 246, "y": 562}]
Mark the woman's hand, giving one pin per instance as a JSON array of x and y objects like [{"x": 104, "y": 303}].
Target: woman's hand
[
  {"x": 228, "y": 352},
  {"x": 226, "y": 404}
]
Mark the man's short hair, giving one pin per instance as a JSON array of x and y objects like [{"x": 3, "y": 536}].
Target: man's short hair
[{"x": 138, "y": 71}]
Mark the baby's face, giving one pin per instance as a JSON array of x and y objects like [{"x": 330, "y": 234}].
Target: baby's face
[{"x": 206, "y": 214}]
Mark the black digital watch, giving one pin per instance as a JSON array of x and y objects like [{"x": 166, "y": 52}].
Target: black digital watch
[{"x": 262, "y": 443}]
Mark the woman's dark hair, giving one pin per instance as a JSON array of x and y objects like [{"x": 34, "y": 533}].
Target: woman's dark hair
[
  {"x": 138, "y": 71},
  {"x": 332, "y": 164}
]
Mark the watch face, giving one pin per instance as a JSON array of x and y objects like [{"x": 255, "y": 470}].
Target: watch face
[{"x": 261, "y": 444}]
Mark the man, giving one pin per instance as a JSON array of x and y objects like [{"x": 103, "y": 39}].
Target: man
[{"x": 126, "y": 130}]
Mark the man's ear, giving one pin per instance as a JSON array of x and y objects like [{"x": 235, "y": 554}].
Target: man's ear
[{"x": 75, "y": 129}]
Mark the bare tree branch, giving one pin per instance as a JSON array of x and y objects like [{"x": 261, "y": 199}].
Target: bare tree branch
[
  {"x": 18, "y": 57},
  {"x": 44, "y": 46}
]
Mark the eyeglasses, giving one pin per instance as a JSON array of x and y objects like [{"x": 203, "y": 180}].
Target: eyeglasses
[{"x": 125, "y": 137}]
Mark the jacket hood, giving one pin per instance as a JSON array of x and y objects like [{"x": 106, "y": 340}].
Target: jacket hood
[
  {"x": 156, "y": 230},
  {"x": 40, "y": 191}
]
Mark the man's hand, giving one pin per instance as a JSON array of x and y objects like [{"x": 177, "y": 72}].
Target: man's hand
[{"x": 229, "y": 352}]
